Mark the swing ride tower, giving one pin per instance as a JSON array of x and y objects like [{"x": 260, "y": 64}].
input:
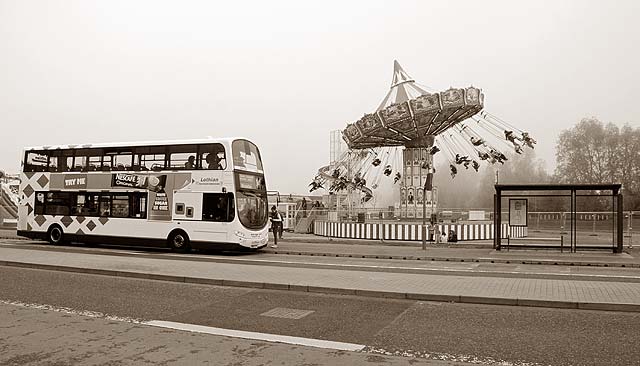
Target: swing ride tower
[
  {"x": 412, "y": 117},
  {"x": 417, "y": 123}
]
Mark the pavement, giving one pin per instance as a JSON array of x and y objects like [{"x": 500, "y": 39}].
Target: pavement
[
  {"x": 476, "y": 251},
  {"x": 428, "y": 286}
]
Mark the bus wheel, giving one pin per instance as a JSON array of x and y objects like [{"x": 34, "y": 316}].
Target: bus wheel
[
  {"x": 179, "y": 241},
  {"x": 55, "y": 235}
]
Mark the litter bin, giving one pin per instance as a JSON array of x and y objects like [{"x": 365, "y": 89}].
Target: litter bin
[{"x": 361, "y": 217}]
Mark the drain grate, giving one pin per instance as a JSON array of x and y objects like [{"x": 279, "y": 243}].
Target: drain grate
[{"x": 287, "y": 313}]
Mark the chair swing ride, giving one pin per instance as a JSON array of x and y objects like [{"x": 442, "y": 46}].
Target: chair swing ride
[{"x": 399, "y": 140}]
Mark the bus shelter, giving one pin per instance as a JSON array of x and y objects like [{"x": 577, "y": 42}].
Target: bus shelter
[{"x": 517, "y": 207}]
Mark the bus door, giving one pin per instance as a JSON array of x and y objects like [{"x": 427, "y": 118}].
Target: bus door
[{"x": 218, "y": 211}]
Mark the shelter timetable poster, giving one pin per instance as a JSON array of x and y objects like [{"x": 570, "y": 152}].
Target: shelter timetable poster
[{"x": 518, "y": 212}]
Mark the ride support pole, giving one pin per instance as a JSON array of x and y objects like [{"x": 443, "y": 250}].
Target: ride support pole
[{"x": 424, "y": 219}]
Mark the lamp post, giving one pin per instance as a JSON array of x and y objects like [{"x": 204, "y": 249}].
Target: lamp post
[
  {"x": 428, "y": 186},
  {"x": 349, "y": 191}
]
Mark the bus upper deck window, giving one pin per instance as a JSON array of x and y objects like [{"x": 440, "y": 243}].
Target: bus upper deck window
[
  {"x": 80, "y": 163},
  {"x": 152, "y": 161},
  {"x": 183, "y": 160},
  {"x": 53, "y": 163},
  {"x": 213, "y": 157},
  {"x": 122, "y": 161},
  {"x": 93, "y": 163},
  {"x": 66, "y": 164},
  {"x": 107, "y": 163},
  {"x": 36, "y": 162}
]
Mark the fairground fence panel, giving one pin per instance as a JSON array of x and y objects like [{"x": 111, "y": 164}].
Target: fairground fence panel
[
  {"x": 413, "y": 231},
  {"x": 387, "y": 224}
]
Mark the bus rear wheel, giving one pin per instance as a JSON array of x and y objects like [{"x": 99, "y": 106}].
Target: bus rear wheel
[
  {"x": 55, "y": 235},
  {"x": 179, "y": 242}
]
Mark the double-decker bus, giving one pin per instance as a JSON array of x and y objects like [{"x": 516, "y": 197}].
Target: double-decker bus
[{"x": 200, "y": 194}]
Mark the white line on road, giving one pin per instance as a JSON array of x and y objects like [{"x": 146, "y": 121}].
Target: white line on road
[
  {"x": 310, "y": 342},
  {"x": 318, "y": 343}
]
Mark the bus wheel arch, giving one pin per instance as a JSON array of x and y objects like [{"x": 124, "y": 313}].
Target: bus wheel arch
[
  {"x": 55, "y": 234},
  {"x": 178, "y": 241}
]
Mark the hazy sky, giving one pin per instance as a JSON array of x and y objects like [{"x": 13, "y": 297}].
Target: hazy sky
[{"x": 286, "y": 73}]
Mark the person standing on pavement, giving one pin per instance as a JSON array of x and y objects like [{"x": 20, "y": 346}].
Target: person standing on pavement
[{"x": 276, "y": 225}]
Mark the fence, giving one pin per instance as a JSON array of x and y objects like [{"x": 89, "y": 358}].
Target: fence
[{"x": 410, "y": 231}]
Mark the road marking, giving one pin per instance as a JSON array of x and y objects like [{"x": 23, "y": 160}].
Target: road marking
[{"x": 310, "y": 342}]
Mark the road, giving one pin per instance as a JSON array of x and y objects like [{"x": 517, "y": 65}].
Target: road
[{"x": 52, "y": 317}]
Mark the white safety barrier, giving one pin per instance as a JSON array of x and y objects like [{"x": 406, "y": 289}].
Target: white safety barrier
[{"x": 393, "y": 231}]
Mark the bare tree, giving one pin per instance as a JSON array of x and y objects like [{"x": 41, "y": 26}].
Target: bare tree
[
  {"x": 592, "y": 152},
  {"x": 475, "y": 190}
]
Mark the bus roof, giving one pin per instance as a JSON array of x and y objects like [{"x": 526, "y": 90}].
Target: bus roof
[{"x": 208, "y": 140}]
